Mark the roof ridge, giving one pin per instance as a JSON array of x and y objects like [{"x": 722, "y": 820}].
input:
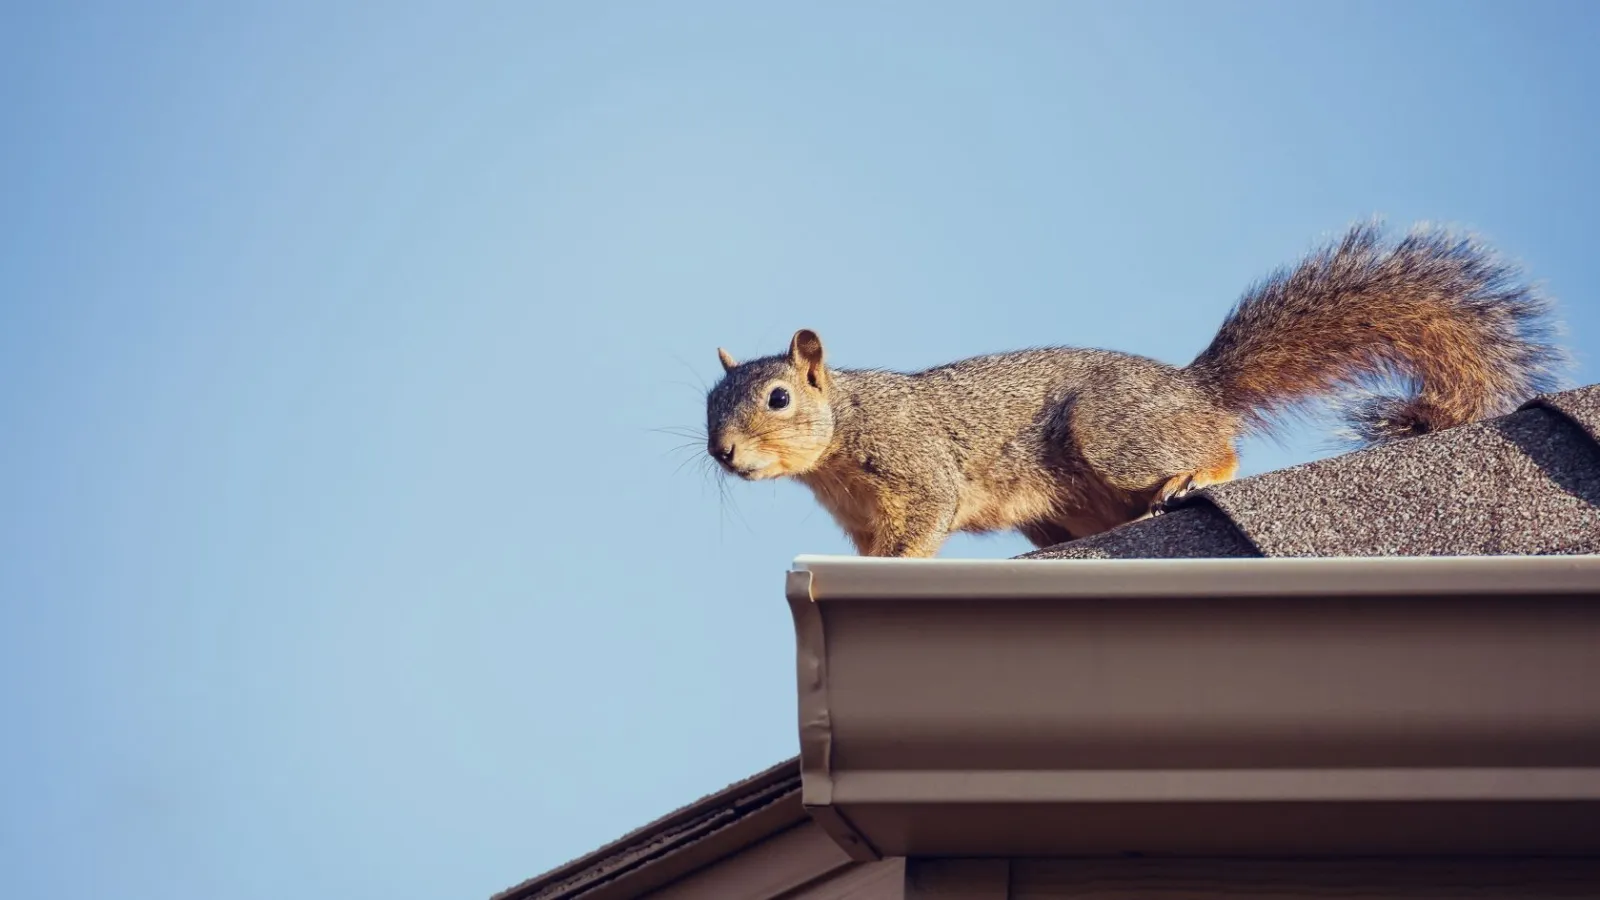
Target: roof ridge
[
  {"x": 1523, "y": 483},
  {"x": 1581, "y": 406}
]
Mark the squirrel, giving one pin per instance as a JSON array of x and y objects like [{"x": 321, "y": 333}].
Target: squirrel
[{"x": 1061, "y": 443}]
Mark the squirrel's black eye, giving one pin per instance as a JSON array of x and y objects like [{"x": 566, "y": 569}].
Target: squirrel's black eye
[{"x": 778, "y": 399}]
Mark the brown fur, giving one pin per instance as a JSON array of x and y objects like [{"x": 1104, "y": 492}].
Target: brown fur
[
  {"x": 1436, "y": 309},
  {"x": 1061, "y": 443}
]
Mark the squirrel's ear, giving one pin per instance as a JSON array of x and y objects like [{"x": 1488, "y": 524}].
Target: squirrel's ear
[
  {"x": 805, "y": 351},
  {"x": 728, "y": 362}
]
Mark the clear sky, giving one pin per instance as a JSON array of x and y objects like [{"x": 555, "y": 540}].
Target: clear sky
[{"x": 338, "y": 557}]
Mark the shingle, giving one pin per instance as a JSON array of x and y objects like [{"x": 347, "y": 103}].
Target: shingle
[
  {"x": 669, "y": 834},
  {"x": 1195, "y": 531},
  {"x": 1581, "y": 406},
  {"x": 1527, "y": 483}
]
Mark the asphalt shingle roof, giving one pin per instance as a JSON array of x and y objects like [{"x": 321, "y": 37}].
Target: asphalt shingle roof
[{"x": 1526, "y": 483}]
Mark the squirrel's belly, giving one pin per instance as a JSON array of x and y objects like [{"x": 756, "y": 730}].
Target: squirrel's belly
[
  {"x": 1067, "y": 503},
  {"x": 984, "y": 510}
]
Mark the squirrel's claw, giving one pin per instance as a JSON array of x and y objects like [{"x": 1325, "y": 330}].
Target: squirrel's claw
[{"x": 1176, "y": 488}]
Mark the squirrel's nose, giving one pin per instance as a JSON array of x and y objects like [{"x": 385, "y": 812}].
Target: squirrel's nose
[{"x": 724, "y": 453}]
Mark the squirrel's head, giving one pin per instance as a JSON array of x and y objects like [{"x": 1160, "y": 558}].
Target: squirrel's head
[{"x": 770, "y": 417}]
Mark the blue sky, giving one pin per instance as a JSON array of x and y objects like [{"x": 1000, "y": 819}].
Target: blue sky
[{"x": 338, "y": 557}]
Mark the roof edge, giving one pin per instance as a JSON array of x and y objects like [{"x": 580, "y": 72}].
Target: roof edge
[
  {"x": 869, "y": 578},
  {"x": 758, "y": 801}
]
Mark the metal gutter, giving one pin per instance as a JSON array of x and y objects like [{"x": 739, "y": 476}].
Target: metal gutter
[
  {"x": 1214, "y": 707},
  {"x": 869, "y": 578}
]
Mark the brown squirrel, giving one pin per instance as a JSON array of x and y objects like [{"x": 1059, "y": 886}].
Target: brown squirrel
[{"x": 1062, "y": 443}]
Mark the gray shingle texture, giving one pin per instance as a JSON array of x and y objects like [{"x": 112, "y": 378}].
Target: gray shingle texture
[{"x": 1527, "y": 483}]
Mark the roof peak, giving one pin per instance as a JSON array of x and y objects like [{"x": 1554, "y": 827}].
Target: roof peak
[{"x": 1524, "y": 483}]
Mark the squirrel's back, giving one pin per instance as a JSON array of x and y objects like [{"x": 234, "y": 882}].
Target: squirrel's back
[{"x": 1001, "y": 392}]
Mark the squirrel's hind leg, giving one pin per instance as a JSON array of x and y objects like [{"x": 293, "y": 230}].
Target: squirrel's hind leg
[
  {"x": 1174, "y": 489},
  {"x": 1046, "y": 534},
  {"x": 1178, "y": 486}
]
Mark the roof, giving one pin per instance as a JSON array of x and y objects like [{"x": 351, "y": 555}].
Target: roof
[
  {"x": 1526, "y": 483},
  {"x": 713, "y": 826}
]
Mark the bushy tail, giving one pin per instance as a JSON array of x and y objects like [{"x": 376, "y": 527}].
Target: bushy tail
[{"x": 1428, "y": 333}]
